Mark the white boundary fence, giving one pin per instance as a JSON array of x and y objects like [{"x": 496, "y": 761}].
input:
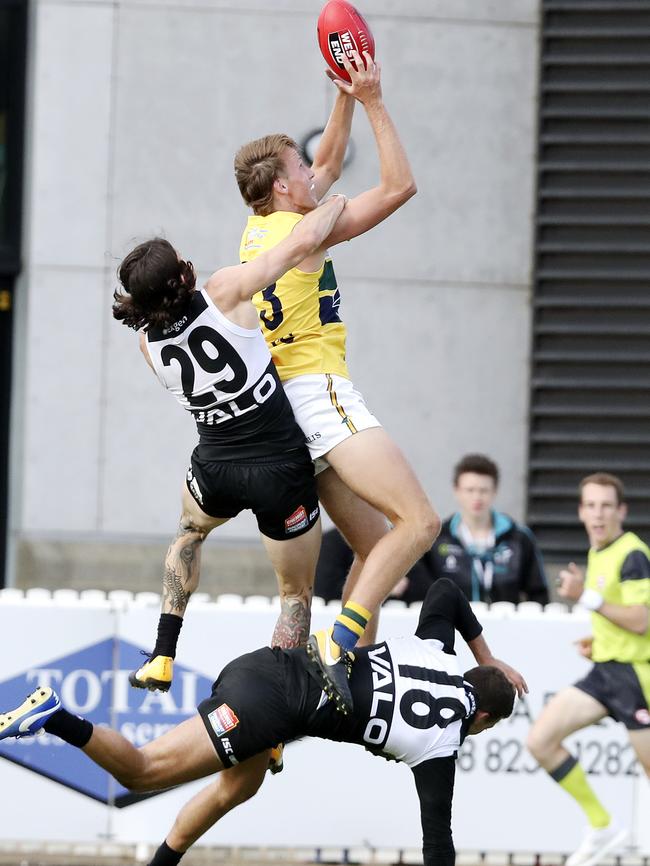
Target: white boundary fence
[{"x": 85, "y": 644}]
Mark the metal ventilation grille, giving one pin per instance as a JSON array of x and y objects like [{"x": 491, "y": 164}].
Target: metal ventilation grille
[{"x": 590, "y": 400}]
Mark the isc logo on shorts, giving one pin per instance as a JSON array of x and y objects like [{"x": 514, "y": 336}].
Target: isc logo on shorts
[
  {"x": 298, "y": 520},
  {"x": 223, "y": 719}
]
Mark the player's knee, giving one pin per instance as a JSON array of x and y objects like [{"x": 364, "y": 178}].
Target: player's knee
[
  {"x": 537, "y": 744},
  {"x": 140, "y": 776},
  {"x": 133, "y": 780},
  {"x": 246, "y": 789},
  {"x": 296, "y": 591},
  {"x": 427, "y": 529}
]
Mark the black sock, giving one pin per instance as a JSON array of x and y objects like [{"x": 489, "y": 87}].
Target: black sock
[
  {"x": 165, "y": 856},
  {"x": 70, "y": 728},
  {"x": 169, "y": 628}
]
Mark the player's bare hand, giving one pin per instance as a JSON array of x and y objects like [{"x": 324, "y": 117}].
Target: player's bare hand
[
  {"x": 341, "y": 199},
  {"x": 584, "y": 645},
  {"x": 571, "y": 582},
  {"x": 365, "y": 75},
  {"x": 513, "y": 676}
]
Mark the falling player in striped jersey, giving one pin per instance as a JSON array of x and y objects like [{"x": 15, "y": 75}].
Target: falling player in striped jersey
[{"x": 411, "y": 704}]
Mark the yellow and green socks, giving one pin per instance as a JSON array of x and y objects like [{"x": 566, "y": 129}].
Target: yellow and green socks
[
  {"x": 570, "y": 776},
  {"x": 350, "y": 624}
]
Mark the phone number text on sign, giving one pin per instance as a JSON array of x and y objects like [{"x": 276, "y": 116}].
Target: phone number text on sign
[{"x": 509, "y": 755}]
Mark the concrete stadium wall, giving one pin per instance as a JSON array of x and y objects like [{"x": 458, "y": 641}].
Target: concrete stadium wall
[{"x": 135, "y": 111}]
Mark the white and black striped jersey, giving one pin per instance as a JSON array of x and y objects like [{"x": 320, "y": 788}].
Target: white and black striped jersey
[
  {"x": 411, "y": 702},
  {"x": 418, "y": 702},
  {"x": 223, "y": 374}
]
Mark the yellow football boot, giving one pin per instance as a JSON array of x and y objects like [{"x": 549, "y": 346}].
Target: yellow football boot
[{"x": 155, "y": 674}]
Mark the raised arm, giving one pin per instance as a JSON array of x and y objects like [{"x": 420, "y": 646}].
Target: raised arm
[
  {"x": 231, "y": 286},
  {"x": 445, "y": 608},
  {"x": 328, "y": 160},
  {"x": 396, "y": 182}
]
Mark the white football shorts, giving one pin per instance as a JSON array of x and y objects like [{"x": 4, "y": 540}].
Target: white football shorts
[{"x": 329, "y": 409}]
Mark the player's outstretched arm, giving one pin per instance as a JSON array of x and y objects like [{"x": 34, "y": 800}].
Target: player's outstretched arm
[
  {"x": 396, "y": 184},
  {"x": 328, "y": 160},
  {"x": 228, "y": 287},
  {"x": 446, "y": 610},
  {"x": 483, "y": 655}
]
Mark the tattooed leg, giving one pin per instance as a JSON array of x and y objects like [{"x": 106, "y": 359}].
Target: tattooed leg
[
  {"x": 292, "y": 627},
  {"x": 294, "y": 561},
  {"x": 180, "y": 580},
  {"x": 182, "y": 566}
]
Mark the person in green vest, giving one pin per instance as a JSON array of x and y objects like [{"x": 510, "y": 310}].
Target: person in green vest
[{"x": 616, "y": 589}]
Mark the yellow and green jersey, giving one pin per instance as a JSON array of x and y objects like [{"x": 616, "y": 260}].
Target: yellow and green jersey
[
  {"x": 299, "y": 313},
  {"x": 620, "y": 572}
]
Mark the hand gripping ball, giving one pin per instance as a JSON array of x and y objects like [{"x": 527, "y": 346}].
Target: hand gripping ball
[{"x": 341, "y": 30}]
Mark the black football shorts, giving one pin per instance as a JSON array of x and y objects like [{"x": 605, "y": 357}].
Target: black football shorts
[
  {"x": 623, "y": 689},
  {"x": 256, "y": 703},
  {"x": 280, "y": 490}
]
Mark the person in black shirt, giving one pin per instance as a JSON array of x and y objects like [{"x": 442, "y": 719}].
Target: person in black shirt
[
  {"x": 485, "y": 552},
  {"x": 411, "y": 703}
]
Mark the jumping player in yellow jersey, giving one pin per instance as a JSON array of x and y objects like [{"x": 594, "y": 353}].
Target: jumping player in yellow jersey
[
  {"x": 617, "y": 591},
  {"x": 363, "y": 477}
]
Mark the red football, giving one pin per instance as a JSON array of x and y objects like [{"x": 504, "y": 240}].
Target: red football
[{"x": 341, "y": 29}]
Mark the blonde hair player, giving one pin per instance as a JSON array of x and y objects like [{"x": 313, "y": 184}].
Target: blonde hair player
[{"x": 363, "y": 477}]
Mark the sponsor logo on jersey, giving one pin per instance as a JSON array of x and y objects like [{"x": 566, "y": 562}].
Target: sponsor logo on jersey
[
  {"x": 175, "y": 327},
  {"x": 312, "y": 438},
  {"x": 298, "y": 520},
  {"x": 383, "y": 697},
  {"x": 451, "y": 563},
  {"x": 246, "y": 402},
  {"x": 642, "y": 716},
  {"x": 288, "y": 339},
  {"x": 223, "y": 719},
  {"x": 93, "y": 682},
  {"x": 253, "y": 238}
]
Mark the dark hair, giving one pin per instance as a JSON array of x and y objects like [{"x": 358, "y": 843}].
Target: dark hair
[
  {"x": 159, "y": 286},
  {"x": 495, "y": 694},
  {"x": 605, "y": 480},
  {"x": 478, "y": 463}
]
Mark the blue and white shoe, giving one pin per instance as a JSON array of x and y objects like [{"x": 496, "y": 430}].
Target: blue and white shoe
[{"x": 28, "y": 719}]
